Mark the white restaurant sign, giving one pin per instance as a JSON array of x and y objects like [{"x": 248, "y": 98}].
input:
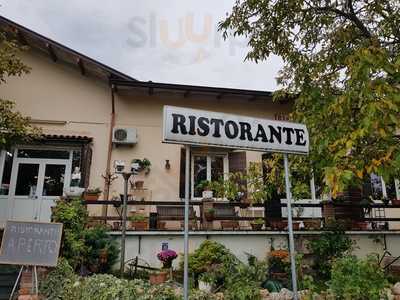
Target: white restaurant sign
[{"x": 200, "y": 127}]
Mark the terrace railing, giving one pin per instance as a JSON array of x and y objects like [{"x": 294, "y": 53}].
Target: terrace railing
[{"x": 369, "y": 216}]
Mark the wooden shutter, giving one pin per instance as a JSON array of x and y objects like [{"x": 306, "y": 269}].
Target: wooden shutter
[
  {"x": 85, "y": 164},
  {"x": 237, "y": 163}
]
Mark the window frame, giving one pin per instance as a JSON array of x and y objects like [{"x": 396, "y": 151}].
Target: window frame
[{"x": 208, "y": 155}]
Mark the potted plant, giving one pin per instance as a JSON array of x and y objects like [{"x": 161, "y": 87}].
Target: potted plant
[
  {"x": 257, "y": 224},
  {"x": 205, "y": 282},
  {"x": 396, "y": 202},
  {"x": 138, "y": 222},
  {"x": 279, "y": 224},
  {"x": 158, "y": 277},
  {"x": 139, "y": 184},
  {"x": 209, "y": 214},
  {"x": 359, "y": 225},
  {"x": 205, "y": 187},
  {"x": 312, "y": 224},
  {"x": 144, "y": 165},
  {"x": 92, "y": 194},
  {"x": 279, "y": 264}
]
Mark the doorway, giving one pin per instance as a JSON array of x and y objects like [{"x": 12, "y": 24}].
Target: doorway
[{"x": 38, "y": 178}]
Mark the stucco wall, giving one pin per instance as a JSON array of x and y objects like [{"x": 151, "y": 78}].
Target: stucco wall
[
  {"x": 146, "y": 245},
  {"x": 144, "y": 113},
  {"x": 58, "y": 92}
]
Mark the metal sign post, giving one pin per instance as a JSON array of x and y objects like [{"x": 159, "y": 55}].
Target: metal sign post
[
  {"x": 290, "y": 227},
  {"x": 186, "y": 228}
]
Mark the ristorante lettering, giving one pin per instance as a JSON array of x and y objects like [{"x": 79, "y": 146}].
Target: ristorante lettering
[{"x": 215, "y": 127}]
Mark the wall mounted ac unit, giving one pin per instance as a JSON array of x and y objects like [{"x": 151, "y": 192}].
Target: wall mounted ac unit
[{"x": 124, "y": 136}]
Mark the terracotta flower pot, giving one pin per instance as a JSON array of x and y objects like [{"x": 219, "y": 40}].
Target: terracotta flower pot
[
  {"x": 142, "y": 225},
  {"x": 312, "y": 224},
  {"x": 158, "y": 278},
  {"x": 360, "y": 225},
  {"x": 279, "y": 225},
  {"x": 396, "y": 202},
  {"x": 256, "y": 226},
  {"x": 91, "y": 197},
  {"x": 161, "y": 225},
  {"x": 229, "y": 225},
  {"x": 116, "y": 225},
  {"x": 209, "y": 216},
  {"x": 139, "y": 184}
]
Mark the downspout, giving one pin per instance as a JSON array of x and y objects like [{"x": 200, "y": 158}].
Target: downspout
[{"x": 107, "y": 177}]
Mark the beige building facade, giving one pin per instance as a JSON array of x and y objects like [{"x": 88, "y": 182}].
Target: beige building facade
[{"x": 78, "y": 103}]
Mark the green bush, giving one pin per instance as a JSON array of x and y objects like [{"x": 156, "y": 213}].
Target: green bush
[
  {"x": 209, "y": 255},
  {"x": 357, "y": 279},
  {"x": 83, "y": 246},
  {"x": 97, "y": 240},
  {"x": 330, "y": 245},
  {"x": 59, "y": 282}
]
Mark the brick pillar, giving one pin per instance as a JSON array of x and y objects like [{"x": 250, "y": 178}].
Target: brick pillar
[{"x": 207, "y": 204}]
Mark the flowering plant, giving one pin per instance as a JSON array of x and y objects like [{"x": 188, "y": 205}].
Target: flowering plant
[
  {"x": 278, "y": 261},
  {"x": 166, "y": 257}
]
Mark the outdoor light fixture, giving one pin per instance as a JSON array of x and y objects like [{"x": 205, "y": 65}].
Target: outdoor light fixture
[
  {"x": 119, "y": 166},
  {"x": 167, "y": 164}
]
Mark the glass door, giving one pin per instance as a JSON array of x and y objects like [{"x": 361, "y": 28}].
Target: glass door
[
  {"x": 35, "y": 184},
  {"x": 24, "y": 194}
]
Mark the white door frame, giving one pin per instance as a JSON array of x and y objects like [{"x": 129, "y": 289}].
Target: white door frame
[{"x": 40, "y": 182}]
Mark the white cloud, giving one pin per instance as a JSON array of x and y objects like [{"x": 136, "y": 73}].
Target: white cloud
[{"x": 171, "y": 41}]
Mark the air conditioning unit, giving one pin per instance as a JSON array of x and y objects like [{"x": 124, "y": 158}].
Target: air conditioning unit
[{"x": 124, "y": 136}]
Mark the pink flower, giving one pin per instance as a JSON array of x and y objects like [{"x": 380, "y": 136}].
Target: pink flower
[{"x": 167, "y": 256}]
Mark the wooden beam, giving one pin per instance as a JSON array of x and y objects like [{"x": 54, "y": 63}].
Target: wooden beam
[
  {"x": 187, "y": 94},
  {"x": 81, "y": 66},
  {"x": 220, "y": 95},
  {"x": 52, "y": 54},
  {"x": 253, "y": 98},
  {"x": 21, "y": 38}
]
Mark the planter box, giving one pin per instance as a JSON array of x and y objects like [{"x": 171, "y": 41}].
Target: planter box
[
  {"x": 256, "y": 226},
  {"x": 279, "y": 225},
  {"x": 158, "y": 278},
  {"x": 139, "y": 225},
  {"x": 91, "y": 197},
  {"x": 229, "y": 225},
  {"x": 312, "y": 224},
  {"x": 359, "y": 225}
]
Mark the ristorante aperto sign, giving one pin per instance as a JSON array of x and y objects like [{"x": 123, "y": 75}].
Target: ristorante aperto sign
[{"x": 199, "y": 127}]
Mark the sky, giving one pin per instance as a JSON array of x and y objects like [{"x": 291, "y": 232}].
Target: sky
[{"x": 171, "y": 41}]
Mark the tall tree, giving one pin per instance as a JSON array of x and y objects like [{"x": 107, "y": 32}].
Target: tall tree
[
  {"x": 341, "y": 60},
  {"x": 14, "y": 127}
]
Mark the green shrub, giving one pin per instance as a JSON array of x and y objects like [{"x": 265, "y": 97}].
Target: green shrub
[
  {"x": 58, "y": 283},
  {"x": 83, "y": 246},
  {"x": 329, "y": 246},
  {"x": 97, "y": 240},
  {"x": 74, "y": 217},
  {"x": 209, "y": 255},
  {"x": 105, "y": 287},
  {"x": 357, "y": 279}
]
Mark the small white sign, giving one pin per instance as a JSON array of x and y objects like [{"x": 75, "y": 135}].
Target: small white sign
[{"x": 200, "y": 127}]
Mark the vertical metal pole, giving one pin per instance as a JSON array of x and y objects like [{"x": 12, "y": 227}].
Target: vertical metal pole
[
  {"x": 36, "y": 281},
  {"x": 123, "y": 233},
  {"x": 290, "y": 227},
  {"x": 186, "y": 233}
]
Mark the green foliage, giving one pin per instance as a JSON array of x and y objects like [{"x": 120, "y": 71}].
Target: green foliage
[
  {"x": 14, "y": 127},
  {"x": 258, "y": 221},
  {"x": 342, "y": 61},
  {"x": 329, "y": 246},
  {"x": 137, "y": 218},
  {"x": 358, "y": 279},
  {"x": 95, "y": 191},
  {"x": 74, "y": 217},
  {"x": 99, "y": 243},
  {"x": 208, "y": 256},
  {"x": 82, "y": 245},
  {"x": 201, "y": 295},
  {"x": 57, "y": 285}
]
